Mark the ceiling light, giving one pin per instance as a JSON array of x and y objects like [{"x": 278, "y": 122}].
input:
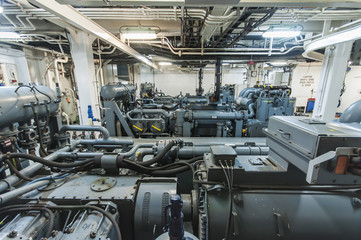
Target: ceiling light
[
  {"x": 278, "y": 64},
  {"x": 138, "y": 33},
  {"x": 165, "y": 63},
  {"x": 281, "y": 34},
  {"x": 9, "y": 35}
]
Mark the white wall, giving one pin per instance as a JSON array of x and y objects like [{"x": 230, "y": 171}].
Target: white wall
[
  {"x": 305, "y": 82},
  {"x": 353, "y": 88},
  {"x": 174, "y": 81},
  {"x": 17, "y": 58}
]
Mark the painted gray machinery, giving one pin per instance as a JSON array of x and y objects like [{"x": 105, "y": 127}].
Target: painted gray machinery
[
  {"x": 28, "y": 118},
  {"x": 198, "y": 115},
  {"x": 211, "y": 115},
  {"x": 302, "y": 182},
  {"x": 267, "y": 101}
]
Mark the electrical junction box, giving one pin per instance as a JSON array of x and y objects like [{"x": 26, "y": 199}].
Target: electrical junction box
[{"x": 224, "y": 154}]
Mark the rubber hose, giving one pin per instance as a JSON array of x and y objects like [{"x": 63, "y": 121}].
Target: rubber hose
[
  {"x": 160, "y": 155},
  {"x": 44, "y": 161}
]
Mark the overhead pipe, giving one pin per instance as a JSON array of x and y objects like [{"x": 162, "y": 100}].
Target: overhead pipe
[
  {"x": 180, "y": 53},
  {"x": 168, "y": 14},
  {"x": 78, "y": 20},
  {"x": 57, "y": 60}
]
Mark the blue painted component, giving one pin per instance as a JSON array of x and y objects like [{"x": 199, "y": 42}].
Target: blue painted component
[
  {"x": 310, "y": 105},
  {"x": 90, "y": 113}
]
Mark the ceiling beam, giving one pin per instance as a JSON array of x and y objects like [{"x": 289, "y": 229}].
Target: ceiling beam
[
  {"x": 208, "y": 3},
  {"x": 209, "y": 30},
  {"x": 78, "y": 20}
]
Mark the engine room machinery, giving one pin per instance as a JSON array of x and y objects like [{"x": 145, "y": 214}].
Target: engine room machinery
[
  {"x": 216, "y": 114},
  {"x": 301, "y": 182}
]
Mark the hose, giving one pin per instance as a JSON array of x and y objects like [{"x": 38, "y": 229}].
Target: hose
[
  {"x": 22, "y": 208},
  {"x": 44, "y": 161},
  {"x": 17, "y": 172},
  {"x": 141, "y": 155},
  {"x": 166, "y": 170},
  {"x": 42, "y": 151},
  {"x": 16, "y": 208},
  {"x": 98, "y": 209},
  {"x": 160, "y": 155}
]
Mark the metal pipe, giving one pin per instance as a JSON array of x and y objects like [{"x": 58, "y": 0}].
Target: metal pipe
[
  {"x": 135, "y": 148},
  {"x": 5, "y": 197},
  {"x": 216, "y": 115},
  {"x": 28, "y": 171},
  {"x": 218, "y": 79},
  {"x": 82, "y": 128},
  {"x": 78, "y": 20},
  {"x": 109, "y": 141},
  {"x": 251, "y": 111},
  {"x": 190, "y": 152},
  {"x": 265, "y": 52}
]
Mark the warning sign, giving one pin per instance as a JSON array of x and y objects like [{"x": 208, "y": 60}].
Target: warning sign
[{"x": 307, "y": 81}]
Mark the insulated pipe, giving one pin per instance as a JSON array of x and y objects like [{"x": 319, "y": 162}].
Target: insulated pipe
[
  {"x": 352, "y": 113},
  {"x": 101, "y": 129},
  {"x": 28, "y": 171}
]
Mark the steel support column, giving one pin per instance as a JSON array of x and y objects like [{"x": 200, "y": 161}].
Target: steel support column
[
  {"x": 84, "y": 71},
  {"x": 330, "y": 84}
]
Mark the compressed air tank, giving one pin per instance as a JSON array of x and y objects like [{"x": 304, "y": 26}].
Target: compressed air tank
[{"x": 15, "y": 103}]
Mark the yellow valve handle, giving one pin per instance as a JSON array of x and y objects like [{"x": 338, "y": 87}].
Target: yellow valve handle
[
  {"x": 138, "y": 128},
  {"x": 156, "y": 128}
]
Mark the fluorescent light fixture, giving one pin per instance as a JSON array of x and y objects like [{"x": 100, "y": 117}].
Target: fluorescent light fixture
[
  {"x": 9, "y": 35},
  {"x": 139, "y": 35},
  {"x": 165, "y": 63},
  {"x": 281, "y": 34},
  {"x": 1, "y": 9},
  {"x": 278, "y": 64}
]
